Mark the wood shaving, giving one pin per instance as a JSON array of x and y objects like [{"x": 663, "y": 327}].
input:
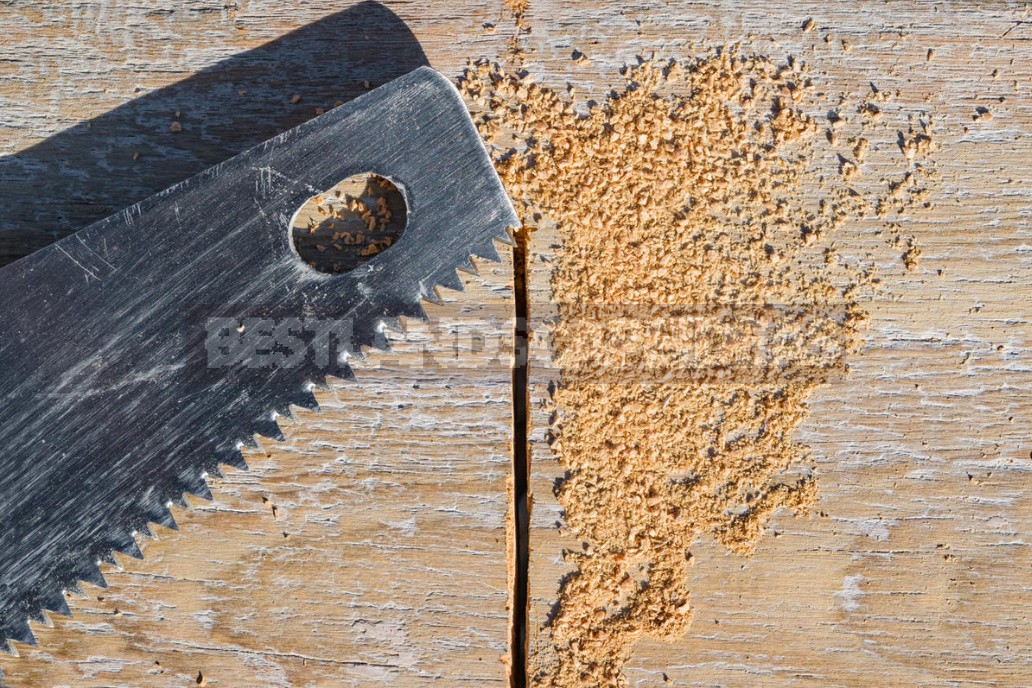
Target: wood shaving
[
  {"x": 701, "y": 299},
  {"x": 912, "y": 256}
]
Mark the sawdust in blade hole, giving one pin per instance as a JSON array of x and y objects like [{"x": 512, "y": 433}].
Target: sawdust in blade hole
[
  {"x": 349, "y": 224},
  {"x": 701, "y": 299}
]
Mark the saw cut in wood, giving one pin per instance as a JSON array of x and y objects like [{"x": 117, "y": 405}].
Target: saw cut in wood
[{"x": 143, "y": 352}]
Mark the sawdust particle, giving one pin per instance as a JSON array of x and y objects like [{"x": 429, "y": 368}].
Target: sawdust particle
[
  {"x": 517, "y": 10},
  {"x": 912, "y": 256},
  {"x": 860, "y": 150}
]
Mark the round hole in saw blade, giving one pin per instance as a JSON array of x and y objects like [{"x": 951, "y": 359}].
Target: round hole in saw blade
[{"x": 345, "y": 227}]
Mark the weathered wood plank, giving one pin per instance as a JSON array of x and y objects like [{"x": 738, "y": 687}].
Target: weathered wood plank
[
  {"x": 372, "y": 546},
  {"x": 918, "y": 574},
  {"x": 862, "y": 596}
]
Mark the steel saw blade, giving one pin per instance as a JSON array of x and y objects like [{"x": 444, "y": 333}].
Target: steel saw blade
[{"x": 141, "y": 353}]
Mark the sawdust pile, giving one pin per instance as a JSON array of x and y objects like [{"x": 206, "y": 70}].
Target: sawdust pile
[{"x": 701, "y": 299}]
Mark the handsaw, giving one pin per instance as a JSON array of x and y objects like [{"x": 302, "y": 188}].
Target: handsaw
[{"x": 143, "y": 352}]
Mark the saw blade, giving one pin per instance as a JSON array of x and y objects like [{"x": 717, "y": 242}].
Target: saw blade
[{"x": 142, "y": 352}]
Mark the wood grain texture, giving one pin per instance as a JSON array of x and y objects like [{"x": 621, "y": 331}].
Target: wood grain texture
[
  {"x": 919, "y": 573},
  {"x": 862, "y": 597},
  {"x": 371, "y": 547}
]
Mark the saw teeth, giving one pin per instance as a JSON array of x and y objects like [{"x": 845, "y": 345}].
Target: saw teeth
[
  {"x": 57, "y": 604},
  {"x": 451, "y": 280},
  {"x": 304, "y": 399},
  {"x": 391, "y": 323},
  {"x": 90, "y": 573},
  {"x": 469, "y": 268},
  {"x": 414, "y": 311},
  {"x": 487, "y": 250},
  {"x": 18, "y": 630},
  {"x": 163, "y": 517},
  {"x": 152, "y": 501},
  {"x": 126, "y": 544},
  {"x": 506, "y": 233},
  {"x": 502, "y": 232},
  {"x": 267, "y": 427},
  {"x": 419, "y": 313},
  {"x": 197, "y": 487},
  {"x": 233, "y": 458},
  {"x": 343, "y": 370},
  {"x": 379, "y": 341},
  {"x": 430, "y": 294}
]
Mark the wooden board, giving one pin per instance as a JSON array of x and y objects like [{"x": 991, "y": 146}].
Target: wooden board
[
  {"x": 864, "y": 596},
  {"x": 918, "y": 576},
  {"x": 370, "y": 547}
]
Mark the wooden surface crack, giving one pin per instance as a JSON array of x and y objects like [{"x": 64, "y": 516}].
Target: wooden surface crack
[{"x": 520, "y": 468}]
